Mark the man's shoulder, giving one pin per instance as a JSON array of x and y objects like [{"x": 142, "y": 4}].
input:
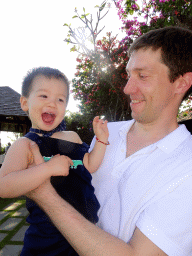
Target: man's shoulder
[{"x": 116, "y": 127}]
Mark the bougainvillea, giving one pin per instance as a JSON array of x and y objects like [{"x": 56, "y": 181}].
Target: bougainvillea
[
  {"x": 100, "y": 79},
  {"x": 138, "y": 19}
]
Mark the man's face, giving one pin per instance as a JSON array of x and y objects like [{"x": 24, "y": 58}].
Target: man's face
[{"x": 149, "y": 87}]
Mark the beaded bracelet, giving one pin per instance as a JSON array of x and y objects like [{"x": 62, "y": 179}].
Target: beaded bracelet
[{"x": 103, "y": 142}]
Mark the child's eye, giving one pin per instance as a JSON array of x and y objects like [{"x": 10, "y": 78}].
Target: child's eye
[
  {"x": 43, "y": 96},
  {"x": 61, "y": 100}
]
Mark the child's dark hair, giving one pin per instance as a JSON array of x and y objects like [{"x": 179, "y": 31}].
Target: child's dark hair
[
  {"x": 176, "y": 49},
  {"x": 44, "y": 71}
]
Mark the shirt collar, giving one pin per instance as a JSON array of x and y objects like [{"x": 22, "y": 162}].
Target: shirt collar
[
  {"x": 173, "y": 139},
  {"x": 168, "y": 143},
  {"x": 125, "y": 128}
]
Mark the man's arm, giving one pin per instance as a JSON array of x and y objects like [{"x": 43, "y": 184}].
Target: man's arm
[{"x": 85, "y": 237}]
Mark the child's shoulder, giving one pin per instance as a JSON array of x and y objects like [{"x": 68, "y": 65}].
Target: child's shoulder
[
  {"x": 22, "y": 143},
  {"x": 18, "y": 155},
  {"x": 68, "y": 135}
]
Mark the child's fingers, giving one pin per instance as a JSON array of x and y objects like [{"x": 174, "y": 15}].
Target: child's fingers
[
  {"x": 96, "y": 119},
  {"x": 56, "y": 155},
  {"x": 38, "y": 159},
  {"x": 70, "y": 161},
  {"x": 105, "y": 122}
]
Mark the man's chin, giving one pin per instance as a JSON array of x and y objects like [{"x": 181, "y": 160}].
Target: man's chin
[{"x": 139, "y": 118}]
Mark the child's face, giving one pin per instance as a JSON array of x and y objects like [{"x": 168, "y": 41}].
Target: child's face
[{"x": 46, "y": 103}]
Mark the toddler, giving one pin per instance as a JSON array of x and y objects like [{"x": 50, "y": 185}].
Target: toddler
[{"x": 45, "y": 94}]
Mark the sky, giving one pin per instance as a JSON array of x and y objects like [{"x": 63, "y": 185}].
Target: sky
[{"x": 32, "y": 35}]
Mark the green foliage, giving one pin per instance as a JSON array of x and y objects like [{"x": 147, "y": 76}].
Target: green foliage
[
  {"x": 155, "y": 14},
  {"x": 184, "y": 114},
  {"x": 81, "y": 124},
  {"x": 2, "y": 151}
]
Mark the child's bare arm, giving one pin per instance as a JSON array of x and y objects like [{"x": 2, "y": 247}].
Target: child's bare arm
[
  {"x": 17, "y": 176},
  {"x": 93, "y": 159}
]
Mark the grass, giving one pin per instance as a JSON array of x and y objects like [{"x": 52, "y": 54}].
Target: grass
[
  {"x": 3, "y": 203},
  {"x": 6, "y": 201}
]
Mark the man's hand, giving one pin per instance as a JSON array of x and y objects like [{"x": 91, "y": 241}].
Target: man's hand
[{"x": 37, "y": 157}]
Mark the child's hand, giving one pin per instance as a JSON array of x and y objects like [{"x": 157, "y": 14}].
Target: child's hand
[
  {"x": 100, "y": 129},
  {"x": 59, "y": 165}
]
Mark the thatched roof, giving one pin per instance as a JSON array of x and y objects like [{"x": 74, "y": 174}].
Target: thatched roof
[
  {"x": 12, "y": 117},
  {"x": 10, "y": 102}
]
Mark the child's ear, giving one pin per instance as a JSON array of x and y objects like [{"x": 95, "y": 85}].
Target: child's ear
[{"x": 24, "y": 103}]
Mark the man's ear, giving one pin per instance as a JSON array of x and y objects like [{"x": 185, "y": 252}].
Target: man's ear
[
  {"x": 185, "y": 82},
  {"x": 24, "y": 103}
]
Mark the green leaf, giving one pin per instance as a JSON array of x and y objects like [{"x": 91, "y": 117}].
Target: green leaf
[
  {"x": 83, "y": 9},
  {"x": 102, "y": 7},
  {"x": 73, "y": 49},
  {"x": 66, "y": 25},
  {"x": 75, "y": 17},
  {"x": 131, "y": 12},
  {"x": 137, "y": 6}
]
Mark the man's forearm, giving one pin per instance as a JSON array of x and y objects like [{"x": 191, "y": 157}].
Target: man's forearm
[{"x": 84, "y": 237}]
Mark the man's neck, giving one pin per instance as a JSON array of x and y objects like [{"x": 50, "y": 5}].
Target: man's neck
[
  {"x": 142, "y": 135},
  {"x": 153, "y": 130}
]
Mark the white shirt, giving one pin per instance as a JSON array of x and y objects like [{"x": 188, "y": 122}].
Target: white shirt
[{"x": 151, "y": 189}]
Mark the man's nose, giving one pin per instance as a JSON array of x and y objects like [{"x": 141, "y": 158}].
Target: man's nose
[{"x": 130, "y": 86}]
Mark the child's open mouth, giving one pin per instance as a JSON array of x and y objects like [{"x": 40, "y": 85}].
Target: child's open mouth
[{"x": 48, "y": 118}]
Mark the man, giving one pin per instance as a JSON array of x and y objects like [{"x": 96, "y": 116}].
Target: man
[{"x": 144, "y": 183}]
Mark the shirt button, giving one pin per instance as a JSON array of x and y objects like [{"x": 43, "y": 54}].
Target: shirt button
[{"x": 122, "y": 150}]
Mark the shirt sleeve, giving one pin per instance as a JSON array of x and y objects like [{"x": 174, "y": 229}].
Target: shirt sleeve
[{"x": 168, "y": 221}]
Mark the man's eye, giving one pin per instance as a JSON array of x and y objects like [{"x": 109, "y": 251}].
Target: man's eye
[{"x": 142, "y": 76}]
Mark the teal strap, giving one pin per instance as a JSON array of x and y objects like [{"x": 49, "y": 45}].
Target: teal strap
[
  {"x": 75, "y": 162},
  {"x": 47, "y": 158}
]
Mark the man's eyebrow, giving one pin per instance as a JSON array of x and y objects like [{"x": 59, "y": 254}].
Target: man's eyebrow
[{"x": 140, "y": 69}]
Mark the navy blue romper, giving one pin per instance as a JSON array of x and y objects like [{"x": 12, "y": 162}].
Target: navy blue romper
[{"x": 42, "y": 237}]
